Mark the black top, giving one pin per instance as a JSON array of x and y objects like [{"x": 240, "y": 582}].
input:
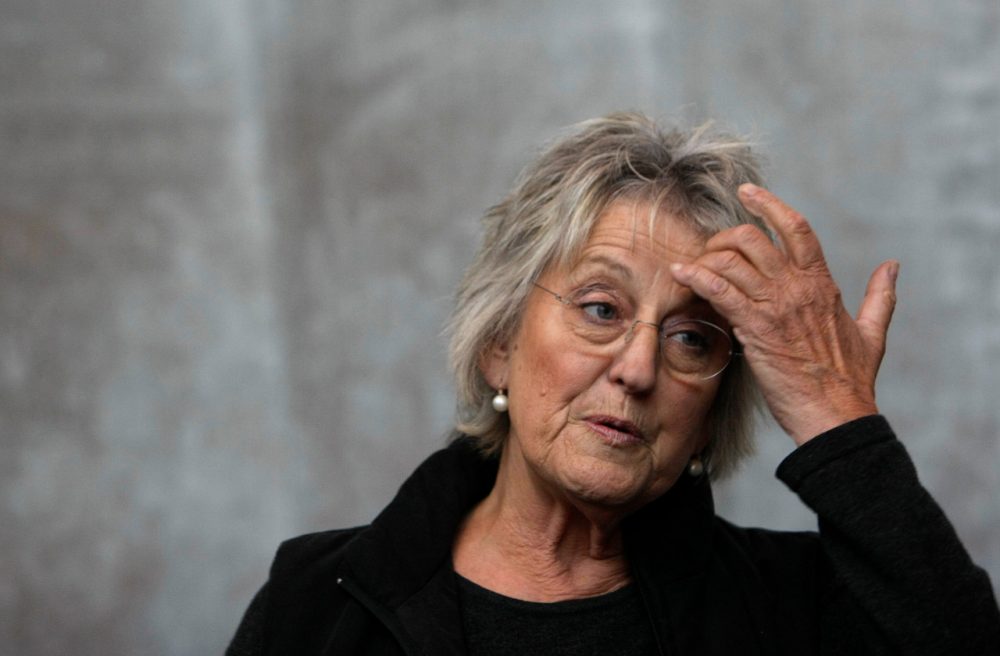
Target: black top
[
  {"x": 608, "y": 624},
  {"x": 885, "y": 575}
]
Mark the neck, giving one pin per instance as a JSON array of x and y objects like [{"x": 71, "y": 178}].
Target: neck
[{"x": 528, "y": 542}]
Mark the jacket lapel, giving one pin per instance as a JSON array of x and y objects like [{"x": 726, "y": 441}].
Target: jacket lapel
[{"x": 403, "y": 560}]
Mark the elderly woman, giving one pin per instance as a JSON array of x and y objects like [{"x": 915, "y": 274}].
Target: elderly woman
[{"x": 634, "y": 296}]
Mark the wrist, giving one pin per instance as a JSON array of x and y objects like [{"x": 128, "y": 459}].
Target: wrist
[{"x": 813, "y": 422}]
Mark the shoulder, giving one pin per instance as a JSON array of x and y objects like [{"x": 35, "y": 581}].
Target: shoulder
[
  {"x": 308, "y": 560},
  {"x": 300, "y": 595},
  {"x": 303, "y": 594},
  {"x": 312, "y": 545}
]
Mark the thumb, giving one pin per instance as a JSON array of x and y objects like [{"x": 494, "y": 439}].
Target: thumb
[{"x": 878, "y": 304}]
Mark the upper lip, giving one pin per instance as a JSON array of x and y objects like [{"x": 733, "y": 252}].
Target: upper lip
[{"x": 623, "y": 425}]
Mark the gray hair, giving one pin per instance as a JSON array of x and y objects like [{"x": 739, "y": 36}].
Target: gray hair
[{"x": 546, "y": 220}]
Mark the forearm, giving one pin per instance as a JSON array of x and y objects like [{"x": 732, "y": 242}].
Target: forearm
[{"x": 890, "y": 545}]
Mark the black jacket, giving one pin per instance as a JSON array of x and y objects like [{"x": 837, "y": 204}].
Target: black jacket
[{"x": 885, "y": 575}]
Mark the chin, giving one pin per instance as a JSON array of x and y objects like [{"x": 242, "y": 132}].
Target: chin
[{"x": 610, "y": 486}]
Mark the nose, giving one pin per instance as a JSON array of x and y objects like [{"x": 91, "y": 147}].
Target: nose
[{"x": 635, "y": 366}]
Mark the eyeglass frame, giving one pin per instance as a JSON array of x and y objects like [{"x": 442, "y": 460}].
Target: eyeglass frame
[{"x": 628, "y": 334}]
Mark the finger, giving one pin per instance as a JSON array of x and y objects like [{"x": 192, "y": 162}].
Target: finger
[
  {"x": 754, "y": 245},
  {"x": 735, "y": 268},
  {"x": 878, "y": 304},
  {"x": 723, "y": 296},
  {"x": 797, "y": 236}
]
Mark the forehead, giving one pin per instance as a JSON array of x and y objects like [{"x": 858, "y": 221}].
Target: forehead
[{"x": 641, "y": 237}]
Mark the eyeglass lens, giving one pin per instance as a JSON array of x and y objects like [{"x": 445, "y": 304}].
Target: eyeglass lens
[{"x": 688, "y": 347}]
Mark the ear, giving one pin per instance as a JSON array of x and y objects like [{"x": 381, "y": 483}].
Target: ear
[{"x": 495, "y": 365}]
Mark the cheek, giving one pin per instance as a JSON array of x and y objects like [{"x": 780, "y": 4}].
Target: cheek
[{"x": 545, "y": 370}]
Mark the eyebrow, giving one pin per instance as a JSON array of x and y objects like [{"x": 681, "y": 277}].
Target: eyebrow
[
  {"x": 692, "y": 302},
  {"x": 609, "y": 262}
]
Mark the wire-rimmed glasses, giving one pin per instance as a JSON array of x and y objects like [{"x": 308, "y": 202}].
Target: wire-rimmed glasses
[{"x": 689, "y": 348}]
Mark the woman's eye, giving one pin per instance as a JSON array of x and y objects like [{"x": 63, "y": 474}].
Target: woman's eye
[
  {"x": 600, "y": 311},
  {"x": 693, "y": 339}
]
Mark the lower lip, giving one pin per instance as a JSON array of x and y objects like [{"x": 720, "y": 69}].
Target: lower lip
[{"x": 613, "y": 436}]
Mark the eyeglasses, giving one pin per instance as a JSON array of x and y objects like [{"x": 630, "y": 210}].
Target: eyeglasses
[{"x": 689, "y": 348}]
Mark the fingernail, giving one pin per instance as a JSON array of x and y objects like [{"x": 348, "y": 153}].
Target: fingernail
[
  {"x": 676, "y": 266},
  {"x": 894, "y": 271},
  {"x": 749, "y": 190}
]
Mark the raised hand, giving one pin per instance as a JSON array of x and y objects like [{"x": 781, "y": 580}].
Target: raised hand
[{"x": 814, "y": 363}]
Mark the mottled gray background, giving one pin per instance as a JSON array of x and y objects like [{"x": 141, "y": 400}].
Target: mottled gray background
[{"x": 230, "y": 229}]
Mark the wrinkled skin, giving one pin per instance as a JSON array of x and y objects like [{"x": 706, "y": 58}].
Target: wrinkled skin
[
  {"x": 814, "y": 363},
  {"x": 550, "y": 529}
]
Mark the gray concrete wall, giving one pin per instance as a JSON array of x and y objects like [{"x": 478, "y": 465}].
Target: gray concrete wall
[{"x": 229, "y": 231}]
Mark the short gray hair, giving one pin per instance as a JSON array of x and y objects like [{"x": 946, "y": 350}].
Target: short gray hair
[{"x": 547, "y": 218}]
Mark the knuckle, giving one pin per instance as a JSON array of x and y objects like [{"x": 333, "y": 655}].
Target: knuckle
[
  {"x": 719, "y": 239},
  {"x": 797, "y": 224},
  {"x": 729, "y": 260},
  {"x": 718, "y": 285},
  {"x": 747, "y": 232},
  {"x": 768, "y": 201}
]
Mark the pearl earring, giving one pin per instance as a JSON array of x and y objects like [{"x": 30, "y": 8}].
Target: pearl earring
[
  {"x": 695, "y": 467},
  {"x": 500, "y": 401}
]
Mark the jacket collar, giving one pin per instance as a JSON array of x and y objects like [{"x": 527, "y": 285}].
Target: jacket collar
[
  {"x": 412, "y": 537},
  {"x": 403, "y": 560}
]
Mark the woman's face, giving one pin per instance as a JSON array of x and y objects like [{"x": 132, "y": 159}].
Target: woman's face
[{"x": 614, "y": 429}]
